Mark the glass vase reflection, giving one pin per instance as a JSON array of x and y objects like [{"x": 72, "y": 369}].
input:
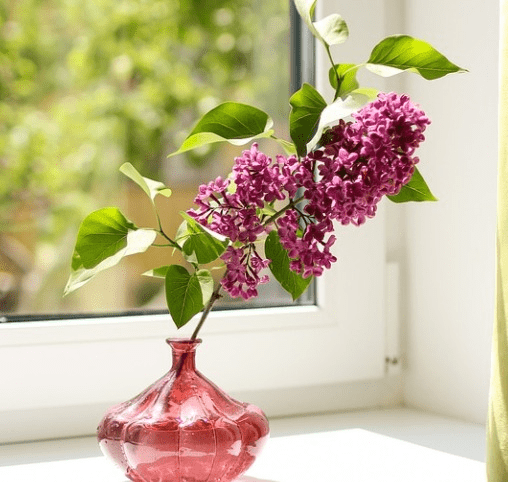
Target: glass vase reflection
[{"x": 183, "y": 428}]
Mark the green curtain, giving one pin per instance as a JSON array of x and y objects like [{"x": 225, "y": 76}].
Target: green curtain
[{"x": 497, "y": 443}]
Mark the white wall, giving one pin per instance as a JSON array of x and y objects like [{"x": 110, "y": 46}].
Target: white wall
[
  {"x": 446, "y": 249},
  {"x": 450, "y": 245}
]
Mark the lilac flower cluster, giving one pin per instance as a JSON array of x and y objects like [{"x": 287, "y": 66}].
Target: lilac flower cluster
[
  {"x": 367, "y": 159},
  {"x": 254, "y": 181},
  {"x": 242, "y": 274},
  {"x": 357, "y": 164},
  {"x": 309, "y": 253}
]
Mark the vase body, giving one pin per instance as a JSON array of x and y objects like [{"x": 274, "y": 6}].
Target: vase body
[{"x": 183, "y": 428}]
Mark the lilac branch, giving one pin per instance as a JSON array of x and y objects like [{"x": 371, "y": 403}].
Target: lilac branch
[
  {"x": 215, "y": 296},
  {"x": 278, "y": 214}
]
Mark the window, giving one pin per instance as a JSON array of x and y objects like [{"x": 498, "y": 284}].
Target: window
[
  {"x": 73, "y": 369},
  {"x": 86, "y": 95}
]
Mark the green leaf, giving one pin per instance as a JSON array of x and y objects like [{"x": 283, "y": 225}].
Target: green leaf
[
  {"x": 206, "y": 283},
  {"x": 306, "y": 107},
  {"x": 347, "y": 79},
  {"x": 199, "y": 245},
  {"x": 415, "y": 190},
  {"x": 292, "y": 282},
  {"x": 306, "y": 9},
  {"x": 106, "y": 233},
  {"x": 289, "y": 147},
  {"x": 331, "y": 30},
  {"x": 157, "y": 272},
  {"x": 104, "y": 238},
  {"x": 183, "y": 294},
  {"x": 339, "y": 109},
  {"x": 232, "y": 187},
  {"x": 151, "y": 187},
  {"x": 204, "y": 277},
  {"x": 79, "y": 275},
  {"x": 398, "y": 53},
  {"x": 233, "y": 122}
]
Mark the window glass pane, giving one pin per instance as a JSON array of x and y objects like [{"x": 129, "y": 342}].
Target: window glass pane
[{"x": 86, "y": 85}]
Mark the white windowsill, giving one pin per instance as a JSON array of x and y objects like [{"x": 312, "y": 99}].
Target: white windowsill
[{"x": 356, "y": 446}]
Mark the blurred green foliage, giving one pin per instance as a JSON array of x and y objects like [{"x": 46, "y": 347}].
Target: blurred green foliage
[{"x": 86, "y": 85}]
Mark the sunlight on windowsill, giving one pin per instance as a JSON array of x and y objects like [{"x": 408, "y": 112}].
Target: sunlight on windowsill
[{"x": 383, "y": 445}]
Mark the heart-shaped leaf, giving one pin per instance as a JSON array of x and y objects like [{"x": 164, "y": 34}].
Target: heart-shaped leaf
[
  {"x": 292, "y": 282},
  {"x": 159, "y": 272},
  {"x": 398, "y": 53},
  {"x": 235, "y": 123},
  {"x": 343, "y": 79},
  {"x": 79, "y": 274},
  {"x": 149, "y": 186},
  {"x": 306, "y": 107},
  {"x": 106, "y": 233},
  {"x": 415, "y": 190},
  {"x": 331, "y": 30},
  {"x": 184, "y": 296},
  {"x": 104, "y": 238},
  {"x": 199, "y": 245},
  {"x": 340, "y": 109}
]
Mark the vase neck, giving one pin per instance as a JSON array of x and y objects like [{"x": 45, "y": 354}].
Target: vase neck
[{"x": 184, "y": 353}]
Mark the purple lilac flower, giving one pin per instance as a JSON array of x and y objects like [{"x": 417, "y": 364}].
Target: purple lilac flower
[
  {"x": 257, "y": 180},
  {"x": 309, "y": 254},
  {"x": 233, "y": 214},
  {"x": 364, "y": 160},
  {"x": 359, "y": 163},
  {"x": 242, "y": 271}
]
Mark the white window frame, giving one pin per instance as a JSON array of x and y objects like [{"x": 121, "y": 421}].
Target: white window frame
[{"x": 58, "y": 376}]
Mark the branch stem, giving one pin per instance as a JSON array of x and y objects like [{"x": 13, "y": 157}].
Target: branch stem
[
  {"x": 278, "y": 214},
  {"x": 334, "y": 69},
  {"x": 172, "y": 243},
  {"x": 215, "y": 296}
]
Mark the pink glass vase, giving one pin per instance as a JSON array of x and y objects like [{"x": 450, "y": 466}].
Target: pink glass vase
[{"x": 183, "y": 428}]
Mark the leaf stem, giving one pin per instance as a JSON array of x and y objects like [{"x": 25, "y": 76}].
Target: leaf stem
[
  {"x": 327, "y": 47},
  {"x": 278, "y": 214},
  {"x": 215, "y": 296},
  {"x": 172, "y": 243}
]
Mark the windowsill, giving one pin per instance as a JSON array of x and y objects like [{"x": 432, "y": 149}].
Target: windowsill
[{"x": 319, "y": 447}]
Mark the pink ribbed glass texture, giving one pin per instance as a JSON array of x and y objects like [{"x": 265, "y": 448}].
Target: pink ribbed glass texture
[{"x": 183, "y": 428}]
